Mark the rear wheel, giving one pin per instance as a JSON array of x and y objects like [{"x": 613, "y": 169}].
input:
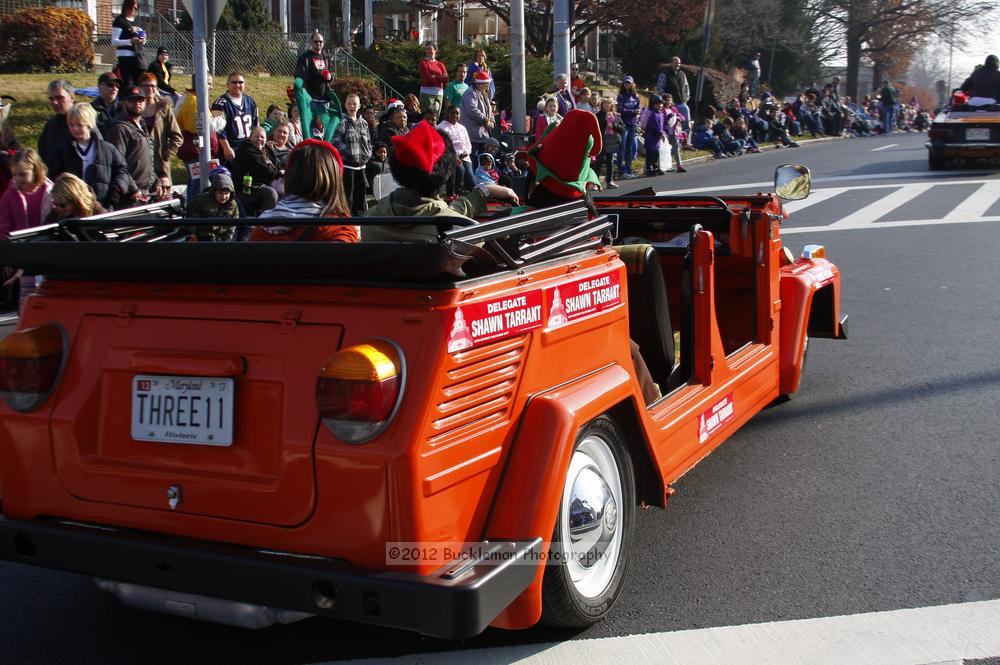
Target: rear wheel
[
  {"x": 935, "y": 162},
  {"x": 592, "y": 540}
]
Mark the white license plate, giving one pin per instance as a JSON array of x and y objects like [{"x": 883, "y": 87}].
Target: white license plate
[
  {"x": 977, "y": 134},
  {"x": 182, "y": 409}
]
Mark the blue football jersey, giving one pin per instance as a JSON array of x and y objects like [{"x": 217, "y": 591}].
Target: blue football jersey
[{"x": 239, "y": 119}]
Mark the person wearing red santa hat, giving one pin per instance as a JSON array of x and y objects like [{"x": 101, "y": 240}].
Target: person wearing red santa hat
[{"x": 423, "y": 161}]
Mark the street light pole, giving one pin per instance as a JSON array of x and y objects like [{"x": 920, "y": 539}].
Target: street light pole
[{"x": 517, "y": 86}]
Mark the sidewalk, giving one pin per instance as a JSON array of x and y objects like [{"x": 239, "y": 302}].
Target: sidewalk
[{"x": 704, "y": 155}]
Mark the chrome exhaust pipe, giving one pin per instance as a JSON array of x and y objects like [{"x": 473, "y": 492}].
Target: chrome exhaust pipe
[{"x": 193, "y": 606}]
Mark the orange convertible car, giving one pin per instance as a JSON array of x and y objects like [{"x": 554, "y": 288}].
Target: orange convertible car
[{"x": 437, "y": 437}]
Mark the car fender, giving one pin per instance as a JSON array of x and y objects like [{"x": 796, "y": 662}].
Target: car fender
[
  {"x": 810, "y": 307},
  {"x": 528, "y": 500}
]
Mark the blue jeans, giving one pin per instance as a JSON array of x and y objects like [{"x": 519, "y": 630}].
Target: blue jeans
[
  {"x": 890, "y": 118},
  {"x": 686, "y": 123},
  {"x": 628, "y": 150}
]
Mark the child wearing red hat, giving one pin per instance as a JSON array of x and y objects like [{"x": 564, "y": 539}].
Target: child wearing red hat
[{"x": 423, "y": 162}]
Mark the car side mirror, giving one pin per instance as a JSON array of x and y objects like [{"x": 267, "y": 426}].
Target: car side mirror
[{"x": 792, "y": 182}]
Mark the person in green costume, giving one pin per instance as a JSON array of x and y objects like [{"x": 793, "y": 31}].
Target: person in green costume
[{"x": 312, "y": 91}]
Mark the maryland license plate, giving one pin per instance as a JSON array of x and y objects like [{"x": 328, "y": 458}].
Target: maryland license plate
[
  {"x": 183, "y": 409},
  {"x": 977, "y": 134}
]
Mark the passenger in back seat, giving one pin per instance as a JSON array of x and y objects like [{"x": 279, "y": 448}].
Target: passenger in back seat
[
  {"x": 423, "y": 161},
  {"x": 560, "y": 163},
  {"x": 313, "y": 188}
]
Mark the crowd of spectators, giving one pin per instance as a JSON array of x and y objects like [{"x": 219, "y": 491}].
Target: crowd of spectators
[{"x": 120, "y": 145}]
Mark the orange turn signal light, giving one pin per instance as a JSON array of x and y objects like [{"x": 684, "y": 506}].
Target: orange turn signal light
[
  {"x": 31, "y": 361},
  {"x": 359, "y": 388}
]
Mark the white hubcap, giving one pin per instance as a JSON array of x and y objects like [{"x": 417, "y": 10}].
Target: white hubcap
[{"x": 592, "y": 498}]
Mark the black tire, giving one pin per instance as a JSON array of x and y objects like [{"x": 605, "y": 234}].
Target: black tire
[
  {"x": 788, "y": 397},
  {"x": 935, "y": 162},
  {"x": 599, "y": 451}
]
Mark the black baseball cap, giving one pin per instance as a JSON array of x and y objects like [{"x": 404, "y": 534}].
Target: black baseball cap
[
  {"x": 162, "y": 49},
  {"x": 109, "y": 77},
  {"x": 133, "y": 92}
]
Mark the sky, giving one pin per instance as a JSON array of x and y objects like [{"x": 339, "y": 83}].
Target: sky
[{"x": 965, "y": 60}]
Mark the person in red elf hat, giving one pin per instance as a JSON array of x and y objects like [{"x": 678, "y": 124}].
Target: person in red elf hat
[
  {"x": 561, "y": 168},
  {"x": 423, "y": 161},
  {"x": 561, "y": 160}
]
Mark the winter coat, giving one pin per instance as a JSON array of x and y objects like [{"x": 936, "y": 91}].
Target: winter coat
[
  {"x": 204, "y": 205},
  {"x": 476, "y": 112},
  {"x": 612, "y": 139},
  {"x": 260, "y": 164},
  {"x": 108, "y": 174},
  {"x": 14, "y": 208},
  {"x": 983, "y": 82},
  {"x": 654, "y": 130},
  {"x": 163, "y": 72},
  {"x": 54, "y": 134},
  {"x": 352, "y": 140},
  {"x": 386, "y": 131},
  {"x": 628, "y": 108},
  {"x": 137, "y": 146},
  {"x": 106, "y": 115},
  {"x": 405, "y": 202},
  {"x": 292, "y": 207},
  {"x": 167, "y": 138}
]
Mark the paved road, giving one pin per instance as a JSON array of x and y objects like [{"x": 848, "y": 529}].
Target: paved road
[{"x": 875, "y": 490}]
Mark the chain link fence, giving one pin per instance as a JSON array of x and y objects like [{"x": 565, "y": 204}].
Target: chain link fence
[
  {"x": 262, "y": 54},
  {"x": 11, "y": 6}
]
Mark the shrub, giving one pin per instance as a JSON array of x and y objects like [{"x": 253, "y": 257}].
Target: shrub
[
  {"x": 46, "y": 39},
  {"x": 365, "y": 89}
]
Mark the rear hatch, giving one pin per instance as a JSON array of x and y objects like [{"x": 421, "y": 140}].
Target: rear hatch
[{"x": 205, "y": 412}]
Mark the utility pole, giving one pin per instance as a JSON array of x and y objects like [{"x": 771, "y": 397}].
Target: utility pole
[
  {"x": 369, "y": 25},
  {"x": 951, "y": 54},
  {"x": 517, "y": 86},
  {"x": 709, "y": 14},
  {"x": 345, "y": 24},
  {"x": 560, "y": 37}
]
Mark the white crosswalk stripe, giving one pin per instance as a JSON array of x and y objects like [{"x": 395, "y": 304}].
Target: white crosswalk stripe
[
  {"x": 815, "y": 197},
  {"x": 882, "y": 207},
  {"x": 834, "y": 210},
  {"x": 897, "y": 197},
  {"x": 976, "y": 205}
]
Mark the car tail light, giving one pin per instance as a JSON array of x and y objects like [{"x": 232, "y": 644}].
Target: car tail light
[
  {"x": 359, "y": 389},
  {"x": 938, "y": 134},
  {"x": 31, "y": 361}
]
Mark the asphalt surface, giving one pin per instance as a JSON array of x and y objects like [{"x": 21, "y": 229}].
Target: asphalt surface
[{"x": 875, "y": 489}]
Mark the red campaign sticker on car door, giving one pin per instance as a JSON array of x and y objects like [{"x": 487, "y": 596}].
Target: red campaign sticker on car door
[
  {"x": 491, "y": 320},
  {"x": 714, "y": 417},
  {"x": 574, "y": 300}
]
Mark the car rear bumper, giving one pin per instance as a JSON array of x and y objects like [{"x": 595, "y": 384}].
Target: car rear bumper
[
  {"x": 971, "y": 150},
  {"x": 452, "y": 603}
]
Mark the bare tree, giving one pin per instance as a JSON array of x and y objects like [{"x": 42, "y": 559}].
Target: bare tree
[
  {"x": 926, "y": 69},
  {"x": 877, "y": 27}
]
